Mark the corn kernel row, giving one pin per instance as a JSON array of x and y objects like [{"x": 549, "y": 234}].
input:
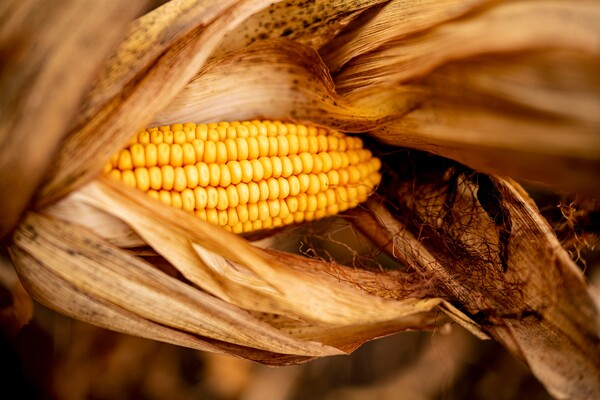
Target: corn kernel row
[
  {"x": 181, "y": 133},
  {"x": 219, "y": 175},
  {"x": 241, "y": 195},
  {"x": 189, "y": 153},
  {"x": 328, "y": 202}
]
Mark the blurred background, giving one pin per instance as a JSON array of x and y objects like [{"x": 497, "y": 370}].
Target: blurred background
[{"x": 57, "y": 358}]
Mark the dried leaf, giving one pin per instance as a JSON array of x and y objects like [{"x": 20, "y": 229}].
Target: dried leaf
[
  {"x": 391, "y": 284},
  {"x": 497, "y": 260},
  {"x": 149, "y": 36},
  {"x": 380, "y": 26},
  {"x": 267, "y": 289},
  {"x": 109, "y": 228},
  {"x": 106, "y": 273},
  {"x": 506, "y": 28},
  {"x": 503, "y": 142},
  {"x": 312, "y": 23},
  {"x": 41, "y": 86},
  {"x": 374, "y": 221},
  {"x": 280, "y": 79},
  {"x": 275, "y": 287},
  {"x": 349, "y": 337},
  {"x": 55, "y": 292},
  {"x": 114, "y": 121},
  {"x": 546, "y": 83}
]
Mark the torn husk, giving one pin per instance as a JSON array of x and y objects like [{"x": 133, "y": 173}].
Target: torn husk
[
  {"x": 475, "y": 248},
  {"x": 489, "y": 250}
]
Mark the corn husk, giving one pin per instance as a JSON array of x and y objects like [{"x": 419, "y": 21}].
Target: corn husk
[
  {"x": 313, "y": 23},
  {"x": 38, "y": 66},
  {"x": 476, "y": 250}
]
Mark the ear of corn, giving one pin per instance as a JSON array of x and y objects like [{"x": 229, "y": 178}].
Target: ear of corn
[{"x": 250, "y": 175}]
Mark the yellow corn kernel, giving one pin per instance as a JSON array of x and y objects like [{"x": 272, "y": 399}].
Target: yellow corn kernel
[
  {"x": 249, "y": 175},
  {"x": 176, "y": 200}
]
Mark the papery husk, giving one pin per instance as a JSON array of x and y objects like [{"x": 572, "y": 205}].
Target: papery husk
[
  {"x": 498, "y": 260},
  {"x": 503, "y": 142},
  {"x": 148, "y": 37},
  {"x": 507, "y": 27},
  {"x": 504, "y": 115},
  {"x": 97, "y": 269},
  {"x": 314, "y": 23},
  {"x": 282, "y": 79},
  {"x": 139, "y": 88},
  {"x": 41, "y": 85},
  {"x": 552, "y": 84},
  {"x": 505, "y": 89},
  {"x": 81, "y": 266},
  {"x": 299, "y": 292},
  {"x": 380, "y": 26}
]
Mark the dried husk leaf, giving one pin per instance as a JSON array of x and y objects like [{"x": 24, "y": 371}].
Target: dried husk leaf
[
  {"x": 274, "y": 288},
  {"x": 506, "y": 114},
  {"x": 155, "y": 83},
  {"x": 57, "y": 293},
  {"x": 501, "y": 264},
  {"x": 281, "y": 79},
  {"x": 373, "y": 220},
  {"x": 365, "y": 311},
  {"x": 546, "y": 83},
  {"x": 380, "y": 26},
  {"x": 149, "y": 36},
  {"x": 388, "y": 284},
  {"x": 349, "y": 337},
  {"x": 506, "y": 28},
  {"x": 39, "y": 78},
  {"x": 111, "y": 275},
  {"x": 313, "y": 23},
  {"x": 497, "y": 141},
  {"x": 374, "y": 317},
  {"x": 50, "y": 289},
  {"x": 391, "y": 284},
  {"x": 109, "y": 228},
  {"x": 510, "y": 115}
]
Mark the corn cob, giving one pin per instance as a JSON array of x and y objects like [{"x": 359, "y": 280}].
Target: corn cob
[{"x": 250, "y": 175}]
